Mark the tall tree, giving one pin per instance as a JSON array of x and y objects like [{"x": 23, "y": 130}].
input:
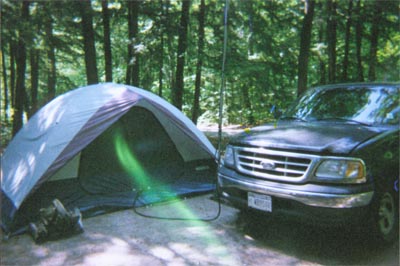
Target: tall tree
[
  {"x": 51, "y": 55},
  {"x": 132, "y": 70},
  {"x": 199, "y": 65},
  {"x": 305, "y": 42},
  {"x": 89, "y": 41},
  {"x": 170, "y": 43},
  {"x": 347, "y": 41},
  {"x": 162, "y": 28},
  {"x": 21, "y": 67},
  {"x": 249, "y": 5},
  {"x": 107, "y": 41},
  {"x": 331, "y": 39},
  {"x": 248, "y": 108},
  {"x": 13, "y": 54},
  {"x": 177, "y": 92},
  {"x": 41, "y": 17},
  {"x": 359, "y": 30},
  {"x": 5, "y": 85},
  {"x": 34, "y": 62},
  {"x": 322, "y": 64},
  {"x": 376, "y": 20}
]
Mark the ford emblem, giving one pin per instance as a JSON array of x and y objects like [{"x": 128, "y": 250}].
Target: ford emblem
[{"x": 268, "y": 165}]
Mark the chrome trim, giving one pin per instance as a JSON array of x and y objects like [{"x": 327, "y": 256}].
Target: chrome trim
[
  {"x": 306, "y": 197},
  {"x": 287, "y": 165}
]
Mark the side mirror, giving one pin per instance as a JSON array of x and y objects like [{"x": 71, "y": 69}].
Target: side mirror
[{"x": 276, "y": 112}]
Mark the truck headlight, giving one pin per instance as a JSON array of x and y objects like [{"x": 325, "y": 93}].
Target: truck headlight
[
  {"x": 229, "y": 157},
  {"x": 341, "y": 171}
]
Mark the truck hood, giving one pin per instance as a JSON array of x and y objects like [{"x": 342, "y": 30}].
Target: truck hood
[{"x": 319, "y": 137}]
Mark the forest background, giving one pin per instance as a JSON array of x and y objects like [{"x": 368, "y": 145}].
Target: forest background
[{"x": 275, "y": 50}]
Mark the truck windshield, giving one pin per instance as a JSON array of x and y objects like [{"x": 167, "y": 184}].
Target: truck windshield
[{"x": 366, "y": 105}]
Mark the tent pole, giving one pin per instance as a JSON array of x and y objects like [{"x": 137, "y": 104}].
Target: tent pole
[{"x": 223, "y": 81}]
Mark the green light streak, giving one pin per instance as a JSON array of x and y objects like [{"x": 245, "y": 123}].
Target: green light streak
[
  {"x": 140, "y": 177},
  {"x": 129, "y": 162}
]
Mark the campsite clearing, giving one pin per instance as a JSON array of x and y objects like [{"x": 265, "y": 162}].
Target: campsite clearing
[{"x": 126, "y": 238}]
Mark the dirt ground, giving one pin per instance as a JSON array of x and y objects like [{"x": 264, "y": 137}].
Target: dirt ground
[{"x": 126, "y": 238}]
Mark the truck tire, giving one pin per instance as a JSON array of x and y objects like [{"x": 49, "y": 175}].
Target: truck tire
[{"x": 386, "y": 217}]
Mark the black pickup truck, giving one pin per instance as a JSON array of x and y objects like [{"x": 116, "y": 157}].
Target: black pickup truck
[{"x": 331, "y": 158}]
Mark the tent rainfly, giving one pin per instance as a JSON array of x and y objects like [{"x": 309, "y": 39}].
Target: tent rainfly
[{"x": 97, "y": 146}]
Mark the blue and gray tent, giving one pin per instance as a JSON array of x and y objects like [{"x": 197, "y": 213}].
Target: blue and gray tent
[{"x": 96, "y": 147}]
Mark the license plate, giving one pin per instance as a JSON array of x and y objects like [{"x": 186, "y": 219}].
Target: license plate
[{"x": 259, "y": 201}]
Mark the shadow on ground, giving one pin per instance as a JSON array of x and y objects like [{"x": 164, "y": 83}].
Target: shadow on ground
[
  {"x": 322, "y": 245},
  {"x": 125, "y": 238}
]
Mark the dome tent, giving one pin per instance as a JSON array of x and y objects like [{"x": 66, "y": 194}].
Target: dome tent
[{"x": 96, "y": 146}]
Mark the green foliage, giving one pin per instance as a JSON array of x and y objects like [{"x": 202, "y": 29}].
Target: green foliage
[
  {"x": 262, "y": 54},
  {"x": 5, "y": 132}
]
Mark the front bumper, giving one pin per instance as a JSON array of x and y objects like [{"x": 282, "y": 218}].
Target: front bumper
[
  {"x": 307, "y": 194},
  {"x": 316, "y": 204},
  {"x": 306, "y": 197}
]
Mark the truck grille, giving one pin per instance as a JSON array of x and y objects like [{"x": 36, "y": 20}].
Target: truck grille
[{"x": 272, "y": 164}]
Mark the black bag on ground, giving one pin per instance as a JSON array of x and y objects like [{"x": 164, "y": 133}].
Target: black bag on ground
[{"x": 55, "y": 222}]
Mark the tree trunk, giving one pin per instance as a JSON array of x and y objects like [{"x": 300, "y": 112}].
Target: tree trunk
[
  {"x": 331, "y": 40},
  {"x": 169, "y": 46},
  {"x": 34, "y": 81},
  {"x": 347, "y": 41},
  {"x": 200, "y": 52},
  {"x": 89, "y": 42},
  {"x": 374, "y": 41},
  {"x": 360, "y": 75},
  {"x": 13, "y": 53},
  {"x": 107, "y": 41},
  {"x": 250, "y": 39},
  {"x": 322, "y": 65},
  {"x": 161, "y": 66},
  {"x": 305, "y": 42},
  {"x": 5, "y": 85},
  {"x": 248, "y": 109},
  {"x": 51, "y": 58},
  {"x": 182, "y": 45},
  {"x": 132, "y": 71},
  {"x": 21, "y": 67}
]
